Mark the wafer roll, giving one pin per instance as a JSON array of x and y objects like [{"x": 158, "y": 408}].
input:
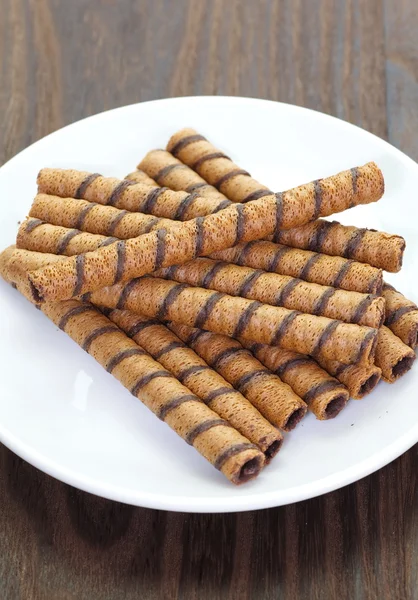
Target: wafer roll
[
  {"x": 5, "y": 257},
  {"x": 378, "y": 249},
  {"x": 310, "y": 266},
  {"x": 215, "y": 167},
  {"x": 279, "y": 290},
  {"x": 202, "y": 236},
  {"x": 392, "y": 356},
  {"x": 95, "y": 218},
  {"x": 239, "y": 317},
  {"x": 360, "y": 380},
  {"x": 170, "y": 172},
  {"x": 192, "y": 371},
  {"x": 127, "y": 194},
  {"x": 401, "y": 315},
  {"x": 273, "y": 398},
  {"x": 141, "y": 177},
  {"x": 324, "y": 395}
]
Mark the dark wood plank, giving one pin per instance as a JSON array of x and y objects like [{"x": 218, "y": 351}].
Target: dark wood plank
[{"x": 63, "y": 61}]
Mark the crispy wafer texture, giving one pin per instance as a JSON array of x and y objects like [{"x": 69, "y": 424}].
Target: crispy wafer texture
[
  {"x": 127, "y": 194},
  {"x": 401, "y": 315},
  {"x": 141, "y": 177},
  {"x": 204, "y": 235},
  {"x": 376, "y": 248},
  {"x": 279, "y": 290},
  {"x": 324, "y": 395},
  {"x": 239, "y": 317},
  {"x": 360, "y": 380},
  {"x": 393, "y": 357},
  {"x": 314, "y": 267},
  {"x": 215, "y": 167},
  {"x": 5, "y": 257},
  {"x": 192, "y": 371},
  {"x": 170, "y": 172},
  {"x": 273, "y": 398},
  {"x": 95, "y": 218}
]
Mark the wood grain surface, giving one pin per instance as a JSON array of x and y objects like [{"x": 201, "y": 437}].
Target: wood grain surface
[{"x": 61, "y": 61}]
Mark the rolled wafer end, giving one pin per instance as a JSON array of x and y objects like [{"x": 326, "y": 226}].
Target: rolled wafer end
[
  {"x": 393, "y": 356},
  {"x": 243, "y": 467},
  {"x": 5, "y": 257}
]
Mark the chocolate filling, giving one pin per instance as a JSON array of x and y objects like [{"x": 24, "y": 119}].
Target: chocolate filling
[
  {"x": 402, "y": 366},
  {"x": 271, "y": 451},
  {"x": 368, "y": 385},
  {"x": 118, "y": 190},
  {"x": 294, "y": 419},
  {"x": 335, "y": 406},
  {"x": 249, "y": 470},
  {"x": 233, "y": 451}
]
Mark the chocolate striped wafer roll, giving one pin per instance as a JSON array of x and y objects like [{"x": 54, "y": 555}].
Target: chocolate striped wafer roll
[
  {"x": 279, "y": 290},
  {"x": 95, "y": 218},
  {"x": 193, "y": 372},
  {"x": 324, "y": 395},
  {"x": 401, "y": 315},
  {"x": 273, "y": 398},
  {"x": 314, "y": 267},
  {"x": 392, "y": 356},
  {"x": 127, "y": 194},
  {"x": 5, "y": 257},
  {"x": 141, "y": 177},
  {"x": 170, "y": 172},
  {"x": 238, "y": 317},
  {"x": 360, "y": 380},
  {"x": 202, "y": 236},
  {"x": 376, "y": 248},
  {"x": 215, "y": 167}
]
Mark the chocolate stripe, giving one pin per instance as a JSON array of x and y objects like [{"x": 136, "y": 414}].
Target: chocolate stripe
[
  {"x": 170, "y": 298},
  {"x": 324, "y": 337},
  {"x": 199, "y": 162},
  {"x": 194, "y": 336},
  {"x": 246, "y": 379},
  {"x": 108, "y": 241},
  {"x": 242, "y": 255},
  {"x": 127, "y": 288},
  {"x": 79, "y": 278},
  {"x": 200, "y": 235},
  {"x": 342, "y": 273},
  {"x": 354, "y": 178},
  {"x": 78, "y": 310},
  {"x": 115, "y": 222},
  {"x": 166, "y": 170},
  {"x": 120, "y": 356},
  {"x": 318, "y": 235},
  {"x": 175, "y": 403},
  {"x": 81, "y": 190},
  {"x": 369, "y": 336},
  {"x": 98, "y": 333},
  {"x": 118, "y": 191},
  {"x": 286, "y": 291},
  {"x": 33, "y": 224},
  {"x": 317, "y": 198},
  {"x": 283, "y": 327},
  {"x": 120, "y": 265},
  {"x": 222, "y": 391},
  {"x": 197, "y": 186},
  {"x": 211, "y": 274},
  {"x": 87, "y": 297},
  {"x": 394, "y": 316},
  {"x": 142, "y": 381},
  {"x": 186, "y": 141},
  {"x": 152, "y": 198},
  {"x": 304, "y": 274},
  {"x": 340, "y": 369},
  {"x": 279, "y": 216},
  {"x": 206, "y": 309},
  {"x": 256, "y": 195},
  {"x": 184, "y": 206},
  {"x": 322, "y": 302},
  {"x": 321, "y": 388},
  {"x": 225, "y": 354},
  {"x": 185, "y": 373},
  {"x": 278, "y": 255},
  {"x": 205, "y": 426},
  {"x": 65, "y": 240},
  {"x": 82, "y": 215},
  {"x": 362, "y": 308},
  {"x": 353, "y": 243},
  {"x": 160, "y": 249},
  {"x": 222, "y": 205},
  {"x": 245, "y": 318},
  {"x": 140, "y": 326},
  {"x": 291, "y": 364},
  {"x": 153, "y": 222},
  {"x": 232, "y": 451},
  {"x": 168, "y": 348},
  {"x": 387, "y": 286},
  {"x": 240, "y": 225},
  {"x": 245, "y": 288},
  {"x": 219, "y": 183}
]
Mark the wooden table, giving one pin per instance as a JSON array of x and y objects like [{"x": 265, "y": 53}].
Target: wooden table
[{"x": 61, "y": 61}]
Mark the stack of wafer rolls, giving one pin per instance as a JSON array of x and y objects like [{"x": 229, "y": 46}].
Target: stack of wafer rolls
[{"x": 141, "y": 177}]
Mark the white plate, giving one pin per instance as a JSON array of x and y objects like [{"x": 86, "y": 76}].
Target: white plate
[{"x": 61, "y": 412}]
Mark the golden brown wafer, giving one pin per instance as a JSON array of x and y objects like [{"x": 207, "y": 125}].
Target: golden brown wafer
[
  {"x": 324, "y": 395},
  {"x": 392, "y": 356},
  {"x": 215, "y": 167},
  {"x": 401, "y": 315},
  {"x": 95, "y": 218},
  {"x": 279, "y": 290},
  {"x": 170, "y": 172},
  {"x": 141, "y": 177},
  {"x": 5, "y": 257},
  {"x": 127, "y": 194},
  {"x": 202, "y": 236},
  {"x": 310, "y": 266},
  {"x": 360, "y": 380},
  {"x": 273, "y": 398},
  {"x": 192, "y": 371},
  {"x": 376, "y": 248},
  {"x": 239, "y": 317}
]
